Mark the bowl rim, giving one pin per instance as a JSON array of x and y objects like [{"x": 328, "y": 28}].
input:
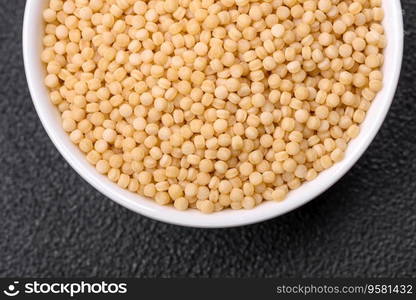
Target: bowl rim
[{"x": 193, "y": 218}]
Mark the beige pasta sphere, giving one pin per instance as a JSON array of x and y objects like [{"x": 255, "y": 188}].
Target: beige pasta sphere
[{"x": 213, "y": 105}]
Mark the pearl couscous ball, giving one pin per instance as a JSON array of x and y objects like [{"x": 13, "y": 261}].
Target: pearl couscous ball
[{"x": 213, "y": 104}]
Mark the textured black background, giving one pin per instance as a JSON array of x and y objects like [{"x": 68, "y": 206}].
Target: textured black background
[{"x": 52, "y": 223}]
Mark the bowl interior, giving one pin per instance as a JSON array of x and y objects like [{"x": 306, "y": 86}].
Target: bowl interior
[{"x": 32, "y": 31}]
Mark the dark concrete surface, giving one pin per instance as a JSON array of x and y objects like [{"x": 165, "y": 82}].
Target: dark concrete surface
[{"x": 52, "y": 223}]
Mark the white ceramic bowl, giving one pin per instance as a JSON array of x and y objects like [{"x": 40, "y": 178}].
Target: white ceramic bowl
[{"x": 32, "y": 33}]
